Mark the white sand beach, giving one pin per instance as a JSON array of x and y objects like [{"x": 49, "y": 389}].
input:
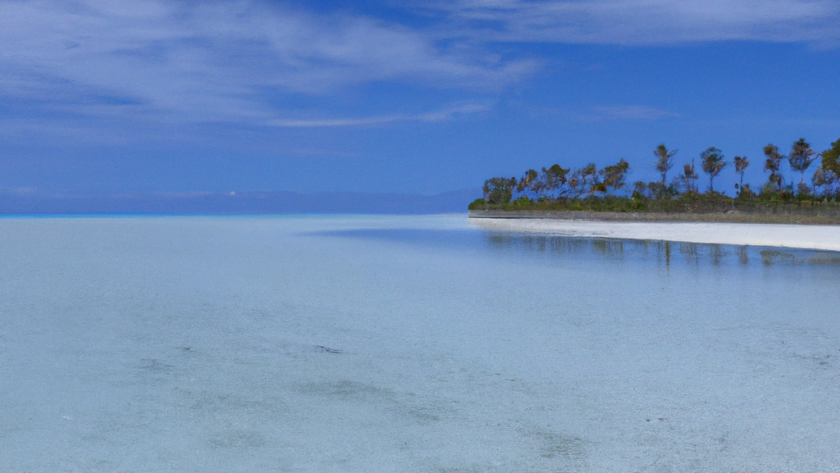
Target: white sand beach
[{"x": 817, "y": 237}]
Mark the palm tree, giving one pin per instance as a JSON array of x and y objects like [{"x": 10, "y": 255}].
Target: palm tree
[
  {"x": 773, "y": 164},
  {"x": 713, "y": 164},
  {"x": 741, "y": 165},
  {"x": 664, "y": 160},
  {"x": 688, "y": 177},
  {"x": 801, "y": 156}
]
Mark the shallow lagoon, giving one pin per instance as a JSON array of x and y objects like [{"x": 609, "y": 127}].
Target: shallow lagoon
[{"x": 407, "y": 344}]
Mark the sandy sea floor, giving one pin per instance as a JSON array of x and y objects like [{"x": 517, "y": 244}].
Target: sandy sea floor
[{"x": 408, "y": 344}]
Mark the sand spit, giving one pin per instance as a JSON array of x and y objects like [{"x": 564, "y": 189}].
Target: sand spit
[
  {"x": 816, "y": 237},
  {"x": 779, "y": 215}
]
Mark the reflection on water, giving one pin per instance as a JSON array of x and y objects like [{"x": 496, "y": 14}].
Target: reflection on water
[
  {"x": 311, "y": 345},
  {"x": 664, "y": 252},
  {"x": 661, "y": 251}
]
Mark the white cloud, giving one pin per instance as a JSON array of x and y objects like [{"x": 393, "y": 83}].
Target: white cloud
[
  {"x": 435, "y": 116},
  {"x": 640, "y": 22},
  {"x": 248, "y": 61},
  {"x": 213, "y": 61},
  {"x": 632, "y": 112},
  {"x": 595, "y": 114}
]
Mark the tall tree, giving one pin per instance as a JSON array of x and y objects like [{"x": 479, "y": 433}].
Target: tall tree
[
  {"x": 713, "y": 164},
  {"x": 499, "y": 190},
  {"x": 613, "y": 176},
  {"x": 584, "y": 180},
  {"x": 741, "y": 165},
  {"x": 527, "y": 182},
  {"x": 828, "y": 174},
  {"x": 553, "y": 180},
  {"x": 825, "y": 180},
  {"x": 688, "y": 177},
  {"x": 801, "y": 156},
  {"x": 773, "y": 164},
  {"x": 664, "y": 160},
  {"x": 831, "y": 158}
]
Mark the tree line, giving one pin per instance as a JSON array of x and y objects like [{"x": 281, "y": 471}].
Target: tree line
[{"x": 557, "y": 183}]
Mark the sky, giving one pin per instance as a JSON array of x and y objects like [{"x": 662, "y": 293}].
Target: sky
[{"x": 396, "y": 96}]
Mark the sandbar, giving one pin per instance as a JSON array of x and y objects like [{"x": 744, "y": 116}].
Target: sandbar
[{"x": 815, "y": 237}]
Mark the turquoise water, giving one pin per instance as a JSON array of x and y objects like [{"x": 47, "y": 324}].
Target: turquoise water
[{"x": 407, "y": 344}]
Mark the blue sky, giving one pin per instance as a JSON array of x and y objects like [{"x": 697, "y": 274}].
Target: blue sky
[{"x": 388, "y": 96}]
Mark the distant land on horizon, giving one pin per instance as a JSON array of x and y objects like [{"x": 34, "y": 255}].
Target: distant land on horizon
[{"x": 233, "y": 203}]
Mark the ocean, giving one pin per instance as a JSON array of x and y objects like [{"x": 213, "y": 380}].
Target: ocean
[{"x": 407, "y": 343}]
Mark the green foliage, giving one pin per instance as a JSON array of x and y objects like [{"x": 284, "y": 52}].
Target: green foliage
[
  {"x": 584, "y": 180},
  {"x": 590, "y": 188},
  {"x": 773, "y": 164},
  {"x": 553, "y": 181},
  {"x": 522, "y": 201},
  {"x": 746, "y": 193},
  {"x": 477, "y": 204},
  {"x": 768, "y": 203},
  {"x": 608, "y": 203},
  {"x": 770, "y": 192},
  {"x": 826, "y": 184},
  {"x": 826, "y": 179},
  {"x": 664, "y": 160},
  {"x": 527, "y": 180},
  {"x": 697, "y": 203},
  {"x": 831, "y": 158},
  {"x": 801, "y": 156},
  {"x": 713, "y": 164},
  {"x": 804, "y": 192},
  {"x": 686, "y": 180},
  {"x": 656, "y": 190},
  {"x": 612, "y": 177},
  {"x": 741, "y": 165},
  {"x": 499, "y": 190}
]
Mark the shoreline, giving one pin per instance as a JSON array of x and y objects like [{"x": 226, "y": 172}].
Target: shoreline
[
  {"x": 810, "y": 237},
  {"x": 728, "y": 217}
]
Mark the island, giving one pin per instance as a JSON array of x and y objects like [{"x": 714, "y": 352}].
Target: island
[{"x": 596, "y": 202}]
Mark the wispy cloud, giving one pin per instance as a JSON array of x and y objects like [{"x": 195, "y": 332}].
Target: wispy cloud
[
  {"x": 214, "y": 61},
  {"x": 434, "y": 116},
  {"x": 596, "y": 114},
  {"x": 136, "y": 62},
  {"x": 643, "y": 22},
  {"x": 632, "y": 112}
]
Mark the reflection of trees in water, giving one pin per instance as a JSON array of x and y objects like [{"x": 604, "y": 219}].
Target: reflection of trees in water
[
  {"x": 717, "y": 254},
  {"x": 660, "y": 251},
  {"x": 500, "y": 241},
  {"x": 775, "y": 256},
  {"x": 609, "y": 247},
  {"x": 743, "y": 255},
  {"x": 690, "y": 251}
]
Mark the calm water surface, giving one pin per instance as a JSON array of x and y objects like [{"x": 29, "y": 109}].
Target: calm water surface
[{"x": 193, "y": 344}]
